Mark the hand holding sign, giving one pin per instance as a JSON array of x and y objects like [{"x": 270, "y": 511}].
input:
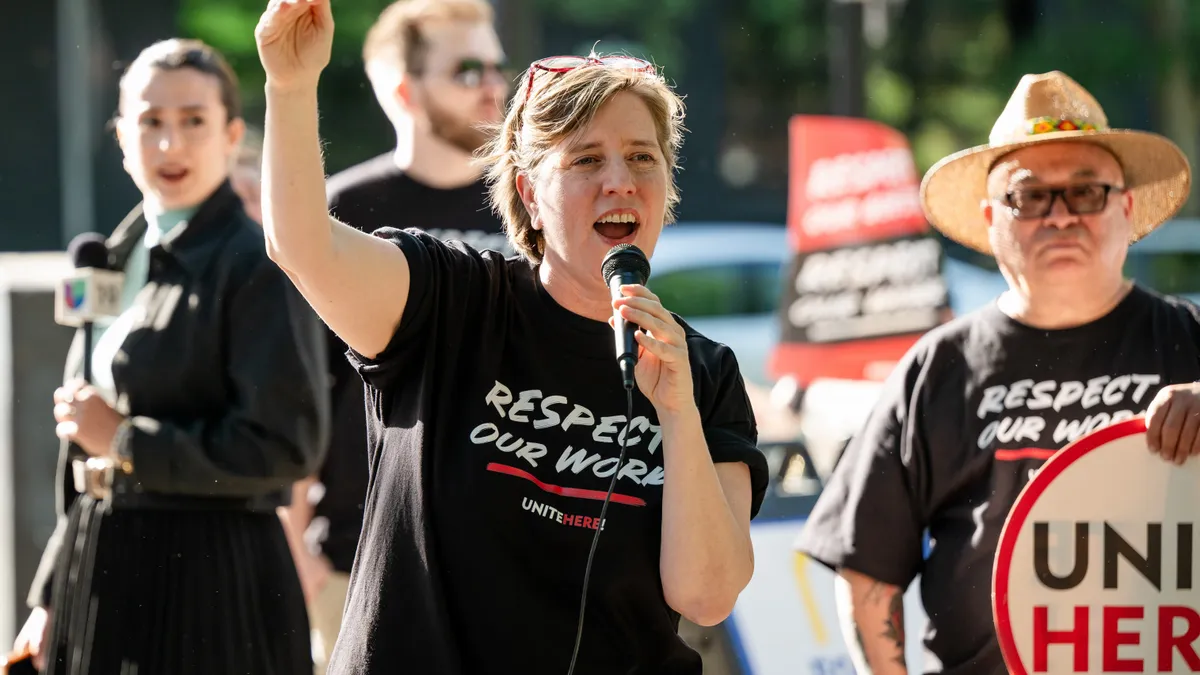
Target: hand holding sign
[
  {"x": 1095, "y": 571},
  {"x": 1173, "y": 422}
]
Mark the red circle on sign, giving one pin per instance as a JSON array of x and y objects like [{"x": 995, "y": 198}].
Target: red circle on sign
[{"x": 1053, "y": 467}]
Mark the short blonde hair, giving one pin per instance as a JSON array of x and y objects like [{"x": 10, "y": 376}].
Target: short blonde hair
[
  {"x": 559, "y": 106},
  {"x": 395, "y": 39}
]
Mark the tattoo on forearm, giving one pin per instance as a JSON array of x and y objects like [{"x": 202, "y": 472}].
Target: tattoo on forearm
[
  {"x": 875, "y": 592},
  {"x": 894, "y": 624},
  {"x": 880, "y": 596}
]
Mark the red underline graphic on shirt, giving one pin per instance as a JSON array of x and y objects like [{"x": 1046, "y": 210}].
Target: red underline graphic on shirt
[
  {"x": 598, "y": 495},
  {"x": 1023, "y": 453}
]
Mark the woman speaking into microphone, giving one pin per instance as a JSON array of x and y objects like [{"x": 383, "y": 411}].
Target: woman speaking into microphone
[
  {"x": 497, "y": 413},
  {"x": 207, "y": 400}
]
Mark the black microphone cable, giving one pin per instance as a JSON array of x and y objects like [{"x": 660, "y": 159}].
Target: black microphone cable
[{"x": 587, "y": 570}]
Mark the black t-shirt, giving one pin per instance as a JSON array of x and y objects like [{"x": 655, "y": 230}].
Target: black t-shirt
[
  {"x": 494, "y": 421},
  {"x": 970, "y": 413},
  {"x": 378, "y": 194},
  {"x": 368, "y": 196}
]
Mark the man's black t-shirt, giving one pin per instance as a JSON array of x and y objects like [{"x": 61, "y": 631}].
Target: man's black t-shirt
[
  {"x": 378, "y": 194},
  {"x": 495, "y": 417},
  {"x": 369, "y": 196},
  {"x": 968, "y": 416}
]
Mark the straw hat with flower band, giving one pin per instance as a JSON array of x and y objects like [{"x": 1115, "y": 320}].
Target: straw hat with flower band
[{"x": 1046, "y": 108}]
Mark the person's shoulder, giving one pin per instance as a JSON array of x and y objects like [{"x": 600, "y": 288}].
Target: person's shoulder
[
  {"x": 706, "y": 353},
  {"x": 943, "y": 353},
  {"x": 415, "y": 239},
  {"x": 362, "y": 176},
  {"x": 958, "y": 330},
  {"x": 240, "y": 266},
  {"x": 1174, "y": 306},
  {"x": 245, "y": 249}
]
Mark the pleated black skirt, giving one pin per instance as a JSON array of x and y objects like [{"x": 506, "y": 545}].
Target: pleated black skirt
[{"x": 142, "y": 592}]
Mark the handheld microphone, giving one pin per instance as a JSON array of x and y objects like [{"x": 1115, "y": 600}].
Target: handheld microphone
[
  {"x": 91, "y": 292},
  {"x": 625, "y": 264}
]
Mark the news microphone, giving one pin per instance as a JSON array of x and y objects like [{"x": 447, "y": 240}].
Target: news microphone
[
  {"x": 625, "y": 264},
  {"x": 92, "y": 291}
]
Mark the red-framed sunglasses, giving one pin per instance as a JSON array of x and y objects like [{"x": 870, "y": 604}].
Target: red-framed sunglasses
[{"x": 564, "y": 64}]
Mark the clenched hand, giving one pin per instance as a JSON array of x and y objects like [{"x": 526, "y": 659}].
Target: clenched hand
[{"x": 295, "y": 39}]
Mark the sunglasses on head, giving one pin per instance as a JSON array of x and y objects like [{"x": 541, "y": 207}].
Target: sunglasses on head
[
  {"x": 1081, "y": 199},
  {"x": 565, "y": 64}
]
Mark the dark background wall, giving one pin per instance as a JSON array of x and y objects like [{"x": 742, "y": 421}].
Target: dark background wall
[{"x": 31, "y": 136}]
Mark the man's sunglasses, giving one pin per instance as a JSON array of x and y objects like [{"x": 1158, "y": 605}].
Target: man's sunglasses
[
  {"x": 564, "y": 64},
  {"x": 473, "y": 73},
  {"x": 1081, "y": 200}
]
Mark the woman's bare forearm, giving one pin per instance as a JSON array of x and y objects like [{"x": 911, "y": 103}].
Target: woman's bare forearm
[
  {"x": 295, "y": 219},
  {"x": 357, "y": 283},
  {"x": 707, "y": 557}
]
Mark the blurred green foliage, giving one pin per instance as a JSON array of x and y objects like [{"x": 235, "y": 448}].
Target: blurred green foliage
[
  {"x": 651, "y": 37},
  {"x": 942, "y": 77},
  {"x": 349, "y": 112}
]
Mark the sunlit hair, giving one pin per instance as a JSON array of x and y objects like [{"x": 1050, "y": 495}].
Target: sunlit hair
[
  {"x": 178, "y": 54},
  {"x": 560, "y": 105},
  {"x": 396, "y": 42}
]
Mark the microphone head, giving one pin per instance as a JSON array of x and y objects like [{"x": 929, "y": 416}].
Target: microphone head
[
  {"x": 625, "y": 258},
  {"x": 88, "y": 250}
]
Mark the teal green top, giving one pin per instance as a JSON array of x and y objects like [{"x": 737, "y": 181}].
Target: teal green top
[{"x": 108, "y": 336}]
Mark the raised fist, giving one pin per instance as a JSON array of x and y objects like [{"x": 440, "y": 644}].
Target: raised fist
[{"x": 294, "y": 39}]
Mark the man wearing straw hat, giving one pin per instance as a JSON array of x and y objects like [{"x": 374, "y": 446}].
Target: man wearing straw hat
[{"x": 978, "y": 404}]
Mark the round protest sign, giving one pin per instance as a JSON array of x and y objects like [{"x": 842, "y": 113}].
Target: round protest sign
[{"x": 1095, "y": 571}]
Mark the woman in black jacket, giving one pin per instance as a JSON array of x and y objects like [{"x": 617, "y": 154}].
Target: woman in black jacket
[{"x": 207, "y": 401}]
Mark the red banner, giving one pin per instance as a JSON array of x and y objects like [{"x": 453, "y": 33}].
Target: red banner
[
  {"x": 865, "y": 282},
  {"x": 850, "y": 181}
]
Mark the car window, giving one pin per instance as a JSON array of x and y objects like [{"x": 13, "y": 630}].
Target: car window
[
  {"x": 720, "y": 290},
  {"x": 1173, "y": 273}
]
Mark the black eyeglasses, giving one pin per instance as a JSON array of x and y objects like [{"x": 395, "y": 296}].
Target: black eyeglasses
[{"x": 1081, "y": 200}]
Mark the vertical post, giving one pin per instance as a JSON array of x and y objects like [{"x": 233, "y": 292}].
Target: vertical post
[
  {"x": 520, "y": 27},
  {"x": 11, "y": 594},
  {"x": 846, "y": 58},
  {"x": 75, "y": 119},
  {"x": 1175, "y": 95}
]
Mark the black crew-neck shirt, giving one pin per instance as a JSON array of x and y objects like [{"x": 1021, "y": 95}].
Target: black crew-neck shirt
[
  {"x": 494, "y": 418},
  {"x": 967, "y": 417},
  {"x": 368, "y": 196}
]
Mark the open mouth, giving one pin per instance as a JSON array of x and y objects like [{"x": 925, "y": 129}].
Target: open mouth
[
  {"x": 173, "y": 175},
  {"x": 617, "y": 227}
]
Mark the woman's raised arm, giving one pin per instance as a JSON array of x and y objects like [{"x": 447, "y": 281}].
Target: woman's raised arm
[{"x": 357, "y": 283}]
